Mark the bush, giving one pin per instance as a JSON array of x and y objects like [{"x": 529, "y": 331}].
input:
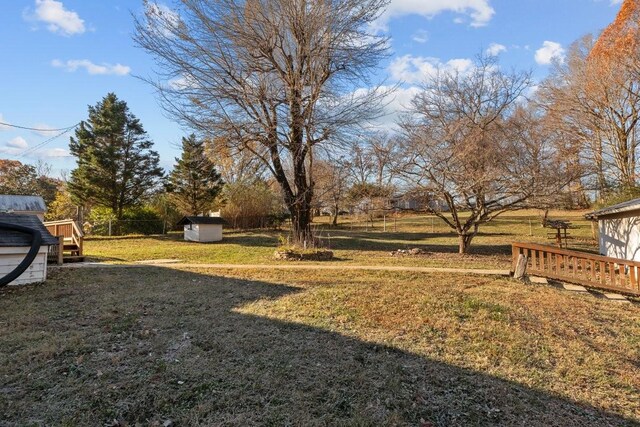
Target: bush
[
  {"x": 252, "y": 205},
  {"x": 139, "y": 220}
]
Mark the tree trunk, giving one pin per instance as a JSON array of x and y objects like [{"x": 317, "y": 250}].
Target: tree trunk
[
  {"x": 464, "y": 242},
  {"x": 301, "y": 224},
  {"x": 334, "y": 221}
]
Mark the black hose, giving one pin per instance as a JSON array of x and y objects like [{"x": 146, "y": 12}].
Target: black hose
[{"x": 36, "y": 240}]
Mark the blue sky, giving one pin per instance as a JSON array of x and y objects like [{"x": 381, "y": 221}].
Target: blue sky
[{"x": 58, "y": 57}]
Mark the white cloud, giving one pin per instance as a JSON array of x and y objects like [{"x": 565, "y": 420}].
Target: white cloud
[
  {"x": 52, "y": 153},
  {"x": 104, "y": 68},
  {"x": 162, "y": 19},
  {"x": 549, "y": 52},
  {"x": 58, "y": 19},
  {"x": 397, "y": 103},
  {"x": 45, "y": 129},
  {"x": 420, "y": 36},
  {"x": 18, "y": 142},
  {"x": 417, "y": 69},
  {"x": 496, "y": 49},
  {"x": 480, "y": 11}
]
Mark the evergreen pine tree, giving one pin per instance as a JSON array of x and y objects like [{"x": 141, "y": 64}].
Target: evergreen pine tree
[
  {"x": 116, "y": 167},
  {"x": 194, "y": 182}
]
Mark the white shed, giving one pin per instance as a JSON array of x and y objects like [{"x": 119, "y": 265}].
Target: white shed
[
  {"x": 619, "y": 230},
  {"x": 202, "y": 229},
  {"x": 23, "y": 205},
  {"x": 14, "y": 246}
]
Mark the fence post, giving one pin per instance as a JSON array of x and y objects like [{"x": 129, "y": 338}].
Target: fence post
[
  {"x": 384, "y": 218},
  {"x": 109, "y": 228},
  {"x": 521, "y": 267},
  {"x": 60, "y": 250}
]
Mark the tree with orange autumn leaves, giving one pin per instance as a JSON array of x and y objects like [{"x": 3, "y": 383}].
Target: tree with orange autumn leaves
[{"x": 594, "y": 99}]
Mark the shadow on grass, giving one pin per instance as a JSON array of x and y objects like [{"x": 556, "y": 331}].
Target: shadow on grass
[
  {"x": 156, "y": 344},
  {"x": 258, "y": 238}
]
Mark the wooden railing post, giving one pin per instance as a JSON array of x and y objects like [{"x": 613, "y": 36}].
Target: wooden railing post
[{"x": 60, "y": 250}]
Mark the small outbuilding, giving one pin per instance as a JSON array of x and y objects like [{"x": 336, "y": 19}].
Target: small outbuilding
[
  {"x": 619, "y": 230},
  {"x": 23, "y": 205},
  {"x": 15, "y": 245},
  {"x": 203, "y": 229}
]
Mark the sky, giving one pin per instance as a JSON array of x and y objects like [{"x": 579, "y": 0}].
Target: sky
[{"x": 60, "y": 56}]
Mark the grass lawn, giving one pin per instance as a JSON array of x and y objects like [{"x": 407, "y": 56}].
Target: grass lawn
[
  {"x": 353, "y": 244},
  {"x": 146, "y": 345}
]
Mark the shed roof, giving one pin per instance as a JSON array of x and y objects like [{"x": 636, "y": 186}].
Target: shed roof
[
  {"x": 629, "y": 205},
  {"x": 14, "y": 238},
  {"x": 15, "y": 203},
  {"x": 202, "y": 220}
]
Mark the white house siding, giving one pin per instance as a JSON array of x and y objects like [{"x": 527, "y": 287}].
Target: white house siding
[
  {"x": 210, "y": 232},
  {"x": 203, "y": 233},
  {"x": 620, "y": 235},
  {"x": 10, "y": 257},
  {"x": 191, "y": 233}
]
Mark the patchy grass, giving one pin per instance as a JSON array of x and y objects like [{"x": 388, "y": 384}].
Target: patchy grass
[
  {"x": 353, "y": 244},
  {"x": 150, "y": 344}
]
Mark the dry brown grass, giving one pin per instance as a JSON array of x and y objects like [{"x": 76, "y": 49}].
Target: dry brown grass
[
  {"x": 352, "y": 244},
  {"x": 147, "y": 345}
]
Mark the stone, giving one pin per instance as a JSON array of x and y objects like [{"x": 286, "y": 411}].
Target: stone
[
  {"x": 574, "y": 288},
  {"x": 303, "y": 256},
  {"x": 538, "y": 280},
  {"x": 616, "y": 297}
]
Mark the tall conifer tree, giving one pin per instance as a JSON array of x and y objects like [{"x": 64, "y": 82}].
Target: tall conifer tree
[
  {"x": 194, "y": 183},
  {"x": 116, "y": 167}
]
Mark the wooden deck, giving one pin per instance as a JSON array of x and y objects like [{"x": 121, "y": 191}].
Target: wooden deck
[
  {"x": 71, "y": 240},
  {"x": 582, "y": 268}
]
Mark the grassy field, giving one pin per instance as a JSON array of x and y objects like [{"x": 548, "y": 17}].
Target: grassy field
[
  {"x": 353, "y": 244},
  {"x": 148, "y": 345}
]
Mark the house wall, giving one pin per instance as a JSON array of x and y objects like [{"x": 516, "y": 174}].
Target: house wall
[
  {"x": 191, "y": 233},
  {"x": 10, "y": 257},
  {"x": 619, "y": 235},
  {"x": 203, "y": 233},
  {"x": 39, "y": 214},
  {"x": 210, "y": 232}
]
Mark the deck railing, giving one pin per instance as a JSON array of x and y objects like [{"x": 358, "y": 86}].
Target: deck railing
[
  {"x": 583, "y": 268},
  {"x": 73, "y": 236}
]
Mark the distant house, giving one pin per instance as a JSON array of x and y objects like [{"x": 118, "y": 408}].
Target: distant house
[
  {"x": 23, "y": 205},
  {"x": 14, "y": 246},
  {"x": 202, "y": 229},
  {"x": 619, "y": 230}
]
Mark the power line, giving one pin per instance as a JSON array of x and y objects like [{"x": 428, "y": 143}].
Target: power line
[
  {"x": 45, "y": 142},
  {"x": 37, "y": 129}
]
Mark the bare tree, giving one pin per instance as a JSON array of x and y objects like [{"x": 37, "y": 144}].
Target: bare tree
[
  {"x": 469, "y": 143},
  {"x": 274, "y": 77},
  {"x": 332, "y": 184},
  {"x": 596, "y": 99}
]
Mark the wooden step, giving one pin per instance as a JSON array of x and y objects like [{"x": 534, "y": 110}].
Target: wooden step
[{"x": 74, "y": 258}]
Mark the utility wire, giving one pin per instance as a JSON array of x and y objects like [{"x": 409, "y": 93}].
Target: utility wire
[
  {"x": 45, "y": 142},
  {"x": 36, "y": 129}
]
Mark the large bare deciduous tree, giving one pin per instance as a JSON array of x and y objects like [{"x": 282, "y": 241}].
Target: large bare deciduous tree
[
  {"x": 274, "y": 77},
  {"x": 471, "y": 144}
]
